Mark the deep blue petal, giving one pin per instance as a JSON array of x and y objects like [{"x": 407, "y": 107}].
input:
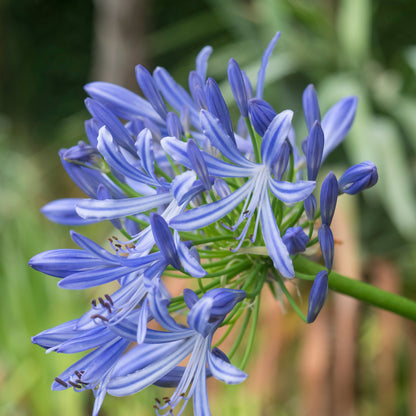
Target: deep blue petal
[
  {"x": 317, "y": 295},
  {"x": 310, "y": 106}
]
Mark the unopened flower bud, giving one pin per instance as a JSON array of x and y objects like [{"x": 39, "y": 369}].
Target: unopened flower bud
[
  {"x": 357, "y": 178},
  {"x": 317, "y": 295}
]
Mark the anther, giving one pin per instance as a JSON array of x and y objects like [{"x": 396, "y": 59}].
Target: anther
[
  {"x": 157, "y": 400},
  {"x": 94, "y": 303},
  {"x": 61, "y": 382},
  {"x": 107, "y": 305},
  {"x": 77, "y": 373},
  {"x": 77, "y": 386},
  {"x": 155, "y": 406},
  {"x": 84, "y": 383},
  {"x": 108, "y": 297},
  {"x": 118, "y": 245},
  {"x": 101, "y": 300},
  {"x": 99, "y": 316}
]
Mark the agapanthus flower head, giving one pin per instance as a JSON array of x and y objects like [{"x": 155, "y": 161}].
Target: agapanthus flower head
[{"x": 189, "y": 197}]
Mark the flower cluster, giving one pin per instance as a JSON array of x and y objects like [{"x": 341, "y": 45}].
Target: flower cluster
[{"x": 191, "y": 194}]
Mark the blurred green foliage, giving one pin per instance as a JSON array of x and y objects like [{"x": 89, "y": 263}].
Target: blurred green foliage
[{"x": 344, "y": 47}]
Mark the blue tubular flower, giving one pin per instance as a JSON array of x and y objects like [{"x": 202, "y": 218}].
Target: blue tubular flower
[
  {"x": 254, "y": 191},
  {"x": 174, "y": 126},
  {"x": 157, "y": 361},
  {"x": 261, "y": 114},
  {"x": 237, "y": 85},
  {"x": 264, "y": 61},
  {"x": 310, "y": 106},
  {"x": 218, "y": 107},
  {"x": 310, "y": 206},
  {"x": 317, "y": 295},
  {"x": 149, "y": 88},
  {"x": 197, "y": 88},
  {"x": 295, "y": 240},
  {"x": 357, "y": 178},
  {"x": 198, "y": 163},
  {"x": 326, "y": 241},
  {"x": 314, "y": 150},
  {"x": 329, "y": 194}
]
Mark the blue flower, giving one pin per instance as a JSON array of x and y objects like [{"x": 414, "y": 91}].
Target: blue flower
[
  {"x": 254, "y": 191},
  {"x": 157, "y": 360}
]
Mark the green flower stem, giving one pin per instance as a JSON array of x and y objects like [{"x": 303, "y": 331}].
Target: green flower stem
[
  {"x": 231, "y": 271},
  {"x": 252, "y": 333},
  {"x": 360, "y": 290},
  {"x": 289, "y": 296},
  {"x": 294, "y": 218},
  {"x": 240, "y": 334},
  {"x": 212, "y": 239},
  {"x": 253, "y": 141},
  {"x": 127, "y": 190}
]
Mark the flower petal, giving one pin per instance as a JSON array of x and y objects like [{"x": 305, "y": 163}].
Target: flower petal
[
  {"x": 207, "y": 214},
  {"x": 224, "y": 371},
  {"x": 290, "y": 192}
]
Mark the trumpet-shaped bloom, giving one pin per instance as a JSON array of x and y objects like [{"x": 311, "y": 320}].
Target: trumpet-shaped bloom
[{"x": 255, "y": 192}]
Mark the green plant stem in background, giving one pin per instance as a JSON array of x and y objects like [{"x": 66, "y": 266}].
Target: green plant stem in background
[{"x": 358, "y": 290}]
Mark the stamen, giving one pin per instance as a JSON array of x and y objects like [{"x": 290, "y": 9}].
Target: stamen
[
  {"x": 107, "y": 305},
  {"x": 77, "y": 373},
  {"x": 108, "y": 297},
  {"x": 93, "y": 303},
  {"x": 61, "y": 382},
  {"x": 77, "y": 386},
  {"x": 99, "y": 316},
  {"x": 101, "y": 300},
  {"x": 157, "y": 400}
]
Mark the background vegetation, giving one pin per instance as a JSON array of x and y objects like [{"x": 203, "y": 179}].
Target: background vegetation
[{"x": 354, "y": 360}]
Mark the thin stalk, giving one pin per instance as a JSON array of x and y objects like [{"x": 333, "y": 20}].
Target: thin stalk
[
  {"x": 240, "y": 334},
  {"x": 289, "y": 296},
  {"x": 359, "y": 290},
  {"x": 253, "y": 141},
  {"x": 252, "y": 334}
]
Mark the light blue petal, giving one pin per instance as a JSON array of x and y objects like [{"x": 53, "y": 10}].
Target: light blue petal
[
  {"x": 189, "y": 262},
  {"x": 63, "y": 262},
  {"x": 275, "y": 135},
  {"x": 337, "y": 123},
  {"x": 199, "y": 316},
  {"x": 117, "y": 208},
  {"x": 134, "y": 382},
  {"x": 122, "y": 102},
  {"x": 142, "y": 322},
  {"x": 175, "y": 94},
  {"x": 144, "y": 146},
  {"x": 114, "y": 125},
  {"x": 289, "y": 192},
  {"x": 275, "y": 246},
  {"x": 111, "y": 153},
  {"x": 264, "y": 61},
  {"x": 213, "y": 129},
  {"x": 224, "y": 371},
  {"x": 200, "y": 398},
  {"x": 62, "y": 211},
  {"x": 160, "y": 337},
  {"x": 310, "y": 106},
  {"x": 202, "y": 61},
  {"x": 182, "y": 184},
  {"x": 207, "y": 214},
  {"x": 91, "y": 278},
  {"x": 93, "y": 248}
]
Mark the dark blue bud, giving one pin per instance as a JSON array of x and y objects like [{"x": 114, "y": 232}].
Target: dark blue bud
[
  {"x": 198, "y": 163},
  {"x": 197, "y": 88},
  {"x": 261, "y": 114},
  {"x": 357, "y": 178},
  {"x": 221, "y": 188},
  {"x": 326, "y": 241},
  {"x": 174, "y": 126},
  {"x": 237, "y": 85},
  {"x": 317, "y": 295},
  {"x": 164, "y": 240},
  {"x": 329, "y": 194},
  {"x": 310, "y": 106},
  {"x": 217, "y": 106},
  {"x": 314, "y": 150},
  {"x": 295, "y": 240},
  {"x": 310, "y": 206},
  {"x": 282, "y": 160},
  {"x": 82, "y": 152},
  {"x": 150, "y": 90}
]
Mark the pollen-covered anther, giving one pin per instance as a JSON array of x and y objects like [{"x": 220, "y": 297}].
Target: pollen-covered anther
[
  {"x": 108, "y": 297},
  {"x": 61, "y": 382},
  {"x": 77, "y": 386},
  {"x": 103, "y": 318}
]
